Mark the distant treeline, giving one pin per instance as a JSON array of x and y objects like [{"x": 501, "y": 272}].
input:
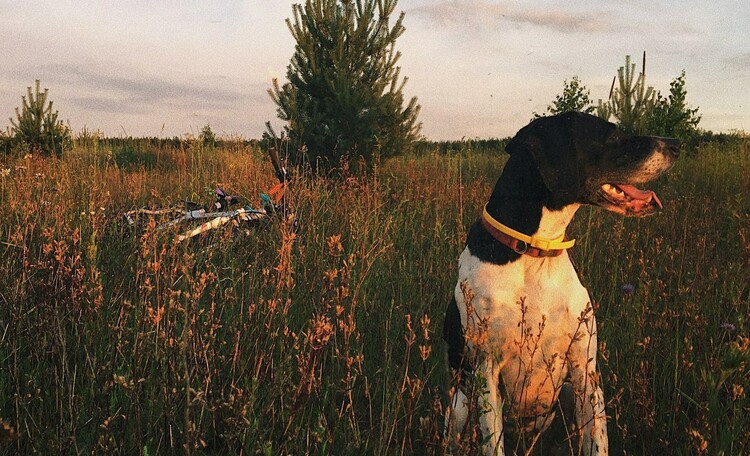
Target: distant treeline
[
  {"x": 174, "y": 142},
  {"x": 479, "y": 146},
  {"x": 494, "y": 145},
  {"x": 473, "y": 145},
  {"x": 476, "y": 145},
  {"x": 152, "y": 142}
]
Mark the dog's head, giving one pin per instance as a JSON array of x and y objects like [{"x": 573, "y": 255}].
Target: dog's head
[{"x": 587, "y": 160}]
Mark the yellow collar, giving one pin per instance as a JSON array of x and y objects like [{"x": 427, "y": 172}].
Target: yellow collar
[{"x": 530, "y": 241}]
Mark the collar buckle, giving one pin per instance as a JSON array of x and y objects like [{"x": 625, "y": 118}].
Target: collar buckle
[{"x": 518, "y": 250}]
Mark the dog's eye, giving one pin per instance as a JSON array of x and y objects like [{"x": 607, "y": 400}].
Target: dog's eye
[{"x": 613, "y": 138}]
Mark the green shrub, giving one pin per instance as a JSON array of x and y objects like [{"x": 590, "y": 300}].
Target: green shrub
[
  {"x": 672, "y": 116},
  {"x": 130, "y": 157},
  {"x": 207, "y": 137},
  {"x": 6, "y": 141},
  {"x": 575, "y": 97}
]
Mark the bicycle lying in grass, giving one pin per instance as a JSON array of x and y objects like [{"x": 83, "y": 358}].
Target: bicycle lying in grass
[{"x": 220, "y": 213}]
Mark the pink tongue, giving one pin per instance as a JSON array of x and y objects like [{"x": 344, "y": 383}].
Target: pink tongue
[{"x": 639, "y": 194}]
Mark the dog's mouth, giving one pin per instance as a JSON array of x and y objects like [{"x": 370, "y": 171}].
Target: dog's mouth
[{"x": 628, "y": 200}]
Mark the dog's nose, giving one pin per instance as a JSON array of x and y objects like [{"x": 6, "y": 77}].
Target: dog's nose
[{"x": 671, "y": 146}]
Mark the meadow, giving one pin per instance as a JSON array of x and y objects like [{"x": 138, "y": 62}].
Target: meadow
[{"x": 326, "y": 340}]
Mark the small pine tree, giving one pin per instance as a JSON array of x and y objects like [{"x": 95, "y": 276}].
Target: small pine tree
[
  {"x": 37, "y": 128},
  {"x": 344, "y": 96},
  {"x": 575, "y": 97},
  {"x": 642, "y": 110},
  {"x": 631, "y": 101}
]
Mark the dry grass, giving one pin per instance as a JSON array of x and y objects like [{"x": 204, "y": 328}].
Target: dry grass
[{"x": 326, "y": 341}]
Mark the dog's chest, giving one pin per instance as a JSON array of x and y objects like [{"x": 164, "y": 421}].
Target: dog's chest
[
  {"x": 530, "y": 309},
  {"x": 528, "y": 289}
]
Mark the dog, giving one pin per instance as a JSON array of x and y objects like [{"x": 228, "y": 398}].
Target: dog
[{"x": 520, "y": 320}]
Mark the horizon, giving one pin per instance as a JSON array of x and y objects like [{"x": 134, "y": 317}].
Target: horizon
[{"x": 478, "y": 68}]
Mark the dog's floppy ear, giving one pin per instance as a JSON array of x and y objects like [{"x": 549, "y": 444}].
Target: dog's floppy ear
[{"x": 550, "y": 143}]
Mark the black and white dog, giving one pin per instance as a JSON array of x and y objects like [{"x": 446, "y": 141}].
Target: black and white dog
[{"x": 519, "y": 307}]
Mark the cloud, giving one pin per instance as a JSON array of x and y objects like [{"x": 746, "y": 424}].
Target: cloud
[
  {"x": 482, "y": 13},
  {"x": 133, "y": 93},
  {"x": 141, "y": 87},
  {"x": 108, "y": 105},
  {"x": 739, "y": 63}
]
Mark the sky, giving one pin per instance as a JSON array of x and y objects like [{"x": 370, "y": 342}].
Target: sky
[{"x": 479, "y": 68}]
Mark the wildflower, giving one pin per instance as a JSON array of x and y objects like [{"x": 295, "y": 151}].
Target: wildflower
[
  {"x": 738, "y": 392},
  {"x": 7, "y": 432},
  {"x": 728, "y": 327},
  {"x": 628, "y": 288},
  {"x": 4, "y": 172},
  {"x": 334, "y": 245},
  {"x": 698, "y": 441},
  {"x": 424, "y": 352}
]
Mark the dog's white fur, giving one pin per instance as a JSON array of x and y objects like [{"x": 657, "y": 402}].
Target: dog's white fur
[{"x": 519, "y": 296}]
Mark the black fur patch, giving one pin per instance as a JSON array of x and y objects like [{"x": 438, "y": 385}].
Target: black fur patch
[
  {"x": 516, "y": 201},
  {"x": 453, "y": 334},
  {"x": 483, "y": 246}
]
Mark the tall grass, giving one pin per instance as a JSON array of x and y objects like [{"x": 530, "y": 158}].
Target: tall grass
[{"x": 326, "y": 340}]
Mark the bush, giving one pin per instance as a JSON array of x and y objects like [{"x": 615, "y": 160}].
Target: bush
[
  {"x": 131, "y": 158},
  {"x": 575, "y": 97},
  {"x": 207, "y": 137},
  {"x": 671, "y": 116},
  {"x": 6, "y": 141}
]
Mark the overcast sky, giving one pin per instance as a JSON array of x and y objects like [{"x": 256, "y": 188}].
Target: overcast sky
[{"x": 479, "y": 68}]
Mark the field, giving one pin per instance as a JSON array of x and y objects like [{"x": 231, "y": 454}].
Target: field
[{"x": 327, "y": 340}]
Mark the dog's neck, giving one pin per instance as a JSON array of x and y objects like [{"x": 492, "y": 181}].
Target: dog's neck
[
  {"x": 537, "y": 220},
  {"x": 553, "y": 223},
  {"x": 521, "y": 201}
]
